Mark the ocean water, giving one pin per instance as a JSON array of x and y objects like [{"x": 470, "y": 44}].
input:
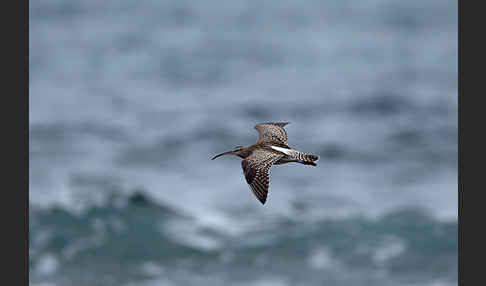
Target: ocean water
[{"x": 130, "y": 99}]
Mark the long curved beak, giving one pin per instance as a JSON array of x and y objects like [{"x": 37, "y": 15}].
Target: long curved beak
[{"x": 225, "y": 153}]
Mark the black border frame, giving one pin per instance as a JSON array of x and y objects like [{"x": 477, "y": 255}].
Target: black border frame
[{"x": 15, "y": 141}]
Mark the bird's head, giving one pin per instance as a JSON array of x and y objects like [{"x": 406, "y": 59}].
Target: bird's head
[{"x": 238, "y": 150}]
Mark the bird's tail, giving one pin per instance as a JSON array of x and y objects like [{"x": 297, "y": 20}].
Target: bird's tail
[
  {"x": 311, "y": 157},
  {"x": 306, "y": 159}
]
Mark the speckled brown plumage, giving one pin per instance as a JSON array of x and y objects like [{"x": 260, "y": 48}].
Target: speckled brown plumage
[
  {"x": 271, "y": 148},
  {"x": 256, "y": 168},
  {"x": 272, "y": 133}
]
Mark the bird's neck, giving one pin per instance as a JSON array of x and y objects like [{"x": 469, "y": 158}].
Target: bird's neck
[{"x": 246, "y": 152}]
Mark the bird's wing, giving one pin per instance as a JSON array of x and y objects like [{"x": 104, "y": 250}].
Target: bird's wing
[
  {"x": 272, "y": 132},
  {"x": 256, "y": 168}
]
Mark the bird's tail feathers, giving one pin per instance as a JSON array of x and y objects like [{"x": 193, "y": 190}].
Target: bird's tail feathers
[
  {"x": 311, "y": 157},
  {"x": 306, "y": 159}
]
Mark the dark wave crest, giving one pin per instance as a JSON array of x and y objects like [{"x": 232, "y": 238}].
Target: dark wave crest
[{"x": 132, "y": 239}]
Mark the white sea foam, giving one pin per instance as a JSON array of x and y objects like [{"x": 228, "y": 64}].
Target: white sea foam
[
  {"x": 321, "y": 259},
  {"x": 392, "y": 247},
  {"x": 48, "y": 264}
]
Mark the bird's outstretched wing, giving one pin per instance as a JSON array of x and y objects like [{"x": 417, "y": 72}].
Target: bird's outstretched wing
[
  {"x": 272, "y": 133},
  {"x": 256, "y": 168}
]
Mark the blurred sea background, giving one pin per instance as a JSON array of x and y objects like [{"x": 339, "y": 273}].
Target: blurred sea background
[{"x": 130, "y": 99}]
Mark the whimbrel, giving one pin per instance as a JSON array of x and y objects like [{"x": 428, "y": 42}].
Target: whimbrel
[{"x": 271, "y": 148}]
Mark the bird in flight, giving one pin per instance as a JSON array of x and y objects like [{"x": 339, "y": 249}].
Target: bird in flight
[{"x": 271, "y": 148}]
